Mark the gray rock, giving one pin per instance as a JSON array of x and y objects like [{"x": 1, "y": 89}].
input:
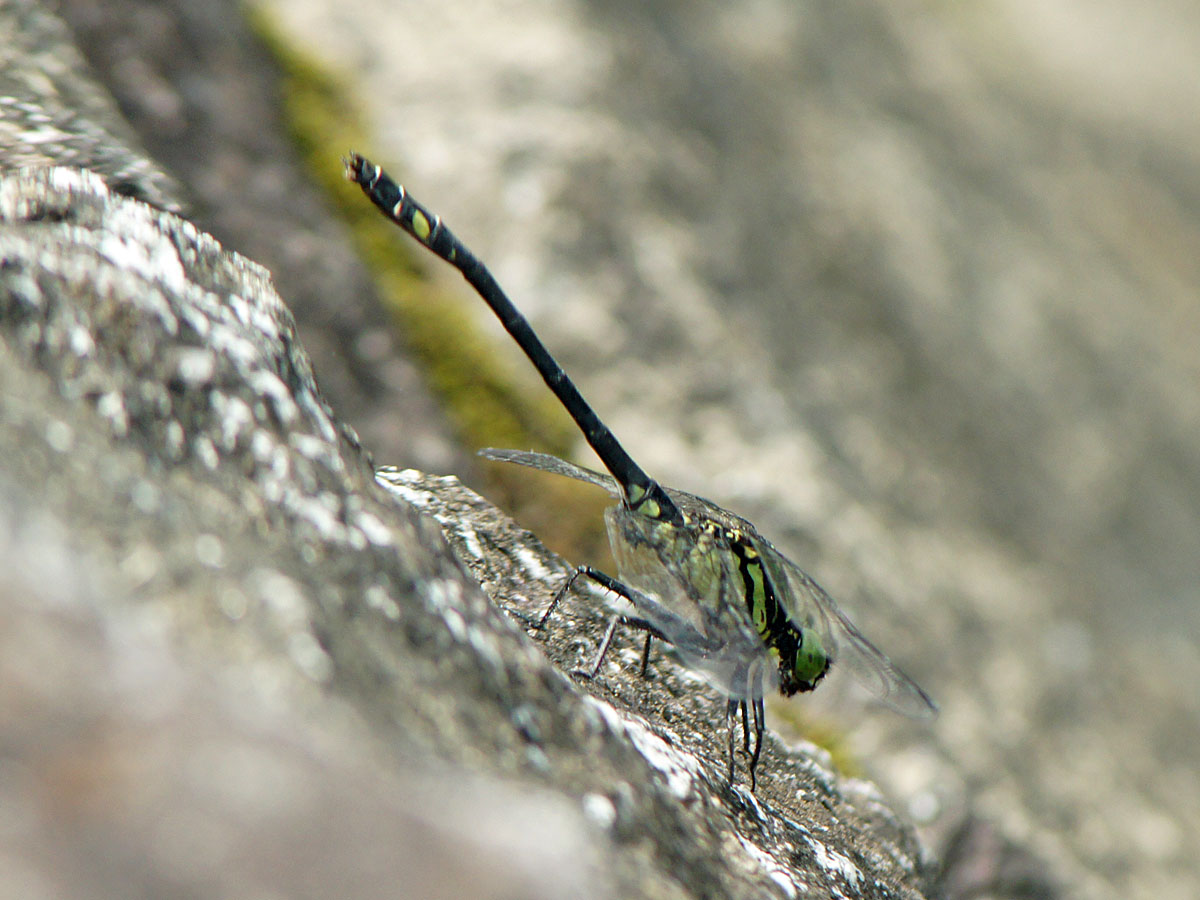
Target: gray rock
[
  {"x": 203, "y": 95},
  {"x": 53, "y": 113}
]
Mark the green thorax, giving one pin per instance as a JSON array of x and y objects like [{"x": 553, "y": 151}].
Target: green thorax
[{"x": 713, "y": 576}]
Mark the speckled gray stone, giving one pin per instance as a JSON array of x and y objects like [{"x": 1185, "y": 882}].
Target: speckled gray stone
[{"x": 52, "y": 112}]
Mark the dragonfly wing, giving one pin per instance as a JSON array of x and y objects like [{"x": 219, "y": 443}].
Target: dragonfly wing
[
  {"x": 878, "y": 673},
  {"x": 733, "y": 670},
  {"x": 809, "y": 606},
  {"x": 692, "y": 594},
  {"x": 548, "y": 463}
]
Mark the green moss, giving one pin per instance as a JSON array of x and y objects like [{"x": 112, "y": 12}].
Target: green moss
[{"x": 473, "y": 374}]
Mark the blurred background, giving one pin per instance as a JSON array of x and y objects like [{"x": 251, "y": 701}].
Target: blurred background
[{"x": 910, "y": 285}]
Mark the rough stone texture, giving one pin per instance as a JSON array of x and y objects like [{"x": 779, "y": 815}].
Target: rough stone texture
[
  {"x": 132, "y": 770},
  {"x": 54, "y": 113},
  {"x": 202, "y": 94},
  {"x": 231, "y": 663}
]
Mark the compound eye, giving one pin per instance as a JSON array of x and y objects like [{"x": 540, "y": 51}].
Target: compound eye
[{"x": 811, "y": 660}]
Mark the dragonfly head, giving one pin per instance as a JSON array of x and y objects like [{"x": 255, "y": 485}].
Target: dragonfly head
[{"x": 803, "y": 660}]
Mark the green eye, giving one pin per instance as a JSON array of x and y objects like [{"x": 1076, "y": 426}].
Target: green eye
[{"x": 811, "y": 659}]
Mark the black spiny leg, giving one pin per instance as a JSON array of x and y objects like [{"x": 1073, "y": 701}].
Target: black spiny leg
[
  {"x": 760, "y": 717},
  {"x": 746, "y": 709},
  {"x": 609, "y": 584},
  {"x": 745, "y": 726},
  {"x": 749, "y": 711},
  {"x": 646, "y": 653},
  {"x": 731, "y": 714}
]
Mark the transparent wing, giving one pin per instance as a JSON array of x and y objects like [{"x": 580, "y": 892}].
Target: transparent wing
[
  {"x": 691, "y": 593},
  {"x": 548, "y": 463},
  {"x": 810, "y": 606}
]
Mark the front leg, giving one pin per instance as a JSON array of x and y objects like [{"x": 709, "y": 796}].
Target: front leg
[{"x": 636, "y": 599}]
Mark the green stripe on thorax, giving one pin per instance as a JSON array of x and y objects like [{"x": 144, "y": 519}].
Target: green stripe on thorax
[{"x": 761, "y": 600}]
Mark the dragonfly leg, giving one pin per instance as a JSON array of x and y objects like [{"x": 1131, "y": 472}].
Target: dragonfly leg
[
  {"x": 749, "y": 711},
  {"x": 731, "y": 714},
  {"x": 605, "y": 581},
  {"x": 646, "y": 653},
  {"x": 560, "y": 593},
  {"x": 759, "y": 720},
  {"x": 602, "y": 651},
  {"x": 609, "y": 584}
]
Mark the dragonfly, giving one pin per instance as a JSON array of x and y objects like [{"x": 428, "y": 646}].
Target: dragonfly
[{"x": 726, "y": 602}]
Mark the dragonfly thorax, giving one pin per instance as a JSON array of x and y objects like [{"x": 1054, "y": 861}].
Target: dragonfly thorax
[{"x": 801, "y": 656}]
